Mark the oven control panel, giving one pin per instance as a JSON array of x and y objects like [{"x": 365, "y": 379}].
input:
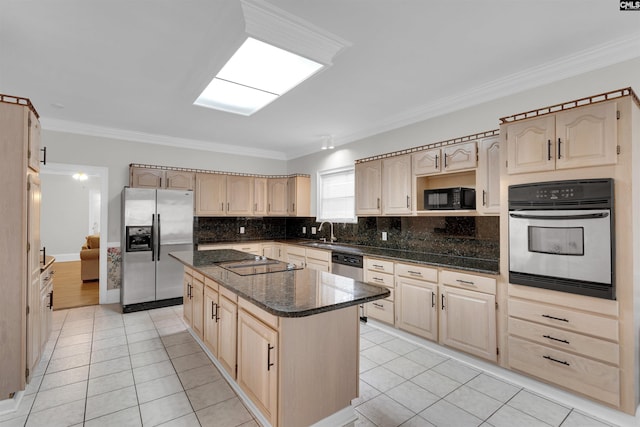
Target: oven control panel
[{"x": 584, "y": 194}]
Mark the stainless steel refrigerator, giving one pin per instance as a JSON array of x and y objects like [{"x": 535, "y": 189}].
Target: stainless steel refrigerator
[{"x": 154, "y": 223}]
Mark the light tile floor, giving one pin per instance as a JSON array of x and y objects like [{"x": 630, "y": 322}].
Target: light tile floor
[{"x": 103, "y": 368}]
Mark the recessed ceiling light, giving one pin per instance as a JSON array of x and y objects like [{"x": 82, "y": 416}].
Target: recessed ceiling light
[{"x": 256, "y": 75}]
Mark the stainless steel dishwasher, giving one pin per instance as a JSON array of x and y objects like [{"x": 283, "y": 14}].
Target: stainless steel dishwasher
[{"x": 348, "y": 265}]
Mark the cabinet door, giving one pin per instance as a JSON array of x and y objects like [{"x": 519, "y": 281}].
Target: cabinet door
[
  {"x": 273, "y": 251},
  {"x": 260, "y": 190},
  {"x": 197, "y": 296},
  {"x": 210, "y": 322},
  {"x": 368, "y": 178},
  {"x": 586, "y": 136},
  {"x": 258, "y": 364},
  {"x": 277, "y": 197},
  {"x": 33, "y": 268},
  {"x": 468, "y": 321},
  {"x": 427, "y": 162},
  {"x": 316, "y": 264},
  {"x": 459, "y": 156},
  {"x": 146, "y": 178},
  {"x": 298, "y": 196},
  {"x": 299, "y": 260},
  {"x": 45, "y": 314},
  {"x": 488, "y": 176},
  {"x": 227, "y": 333},
  {"x": 210, "y": 194},
  {"x": 239, "y": 195},
  {"x": 396, "y": 185},
  {"x": 418, "y": 307},
  {"x": 187, "y": 304},
  {"x": 33, "y": 150},
  {"x": 531, "y": 145},
  {"x": 179, "y": 180}
]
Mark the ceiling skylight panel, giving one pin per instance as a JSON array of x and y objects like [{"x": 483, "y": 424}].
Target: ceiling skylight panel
[{"x": 233, "y": 98}]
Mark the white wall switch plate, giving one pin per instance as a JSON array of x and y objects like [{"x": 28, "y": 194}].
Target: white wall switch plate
[
  {"x": 313, "y": 230},
  {"x": 304, "y": 230},
  {"x": 384, "y": 235},
  {"x": 241, "y": 230}
]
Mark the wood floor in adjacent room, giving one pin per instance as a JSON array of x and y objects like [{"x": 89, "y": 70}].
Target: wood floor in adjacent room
[{"x": 69, "y": 290}]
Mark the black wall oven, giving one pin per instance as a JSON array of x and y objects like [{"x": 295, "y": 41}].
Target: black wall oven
[{"x": 561, "y": 236}]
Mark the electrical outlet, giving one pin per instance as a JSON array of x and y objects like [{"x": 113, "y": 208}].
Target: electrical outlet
[
  {"x": 304, "y": 230},
  {"x": 384, "y": 235},
  {"x": 313, "y": 230},
  {"x": 241, "y": 230}
]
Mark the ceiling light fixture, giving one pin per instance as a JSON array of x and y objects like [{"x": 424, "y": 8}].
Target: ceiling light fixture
[
  {"x": 327, "y": 143},
  {"x": 80, "y": 176},
  {"x": 256, "y": 75}
]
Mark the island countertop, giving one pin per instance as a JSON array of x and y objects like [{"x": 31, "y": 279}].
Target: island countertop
[{"x": 295, "y": 293}]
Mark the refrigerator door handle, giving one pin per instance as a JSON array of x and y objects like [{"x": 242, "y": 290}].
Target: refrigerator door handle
[
  {"x": 153, "y": 248},
  {"x": 159, "y": 242}
]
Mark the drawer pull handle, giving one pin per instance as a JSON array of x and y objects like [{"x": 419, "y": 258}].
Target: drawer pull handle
[
  {"x": 555, "y": 318},
  {"x": 416, "y": 273},
  {"x": 378, "y": 266},
  {"x": 465, "y": 282},
  {"x": 556, "y": 360},
  {"x": 378, "y": 279},
  {"x": 375, "y": 304},
  {"x": 269, "y": 363},
  {"x": 555, "y": 339}
]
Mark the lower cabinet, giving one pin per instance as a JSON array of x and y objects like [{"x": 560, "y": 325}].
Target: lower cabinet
[
  {"x": 227, "y": 331},
  {"x": 211, "y": 316},
  {"x": 418, "y": 307},
  {"x": 258, "y": 364},
  {"x": 192, "y": 300},
  {"x": 187, "y": 301},
  {"x": 380, "y": 272}
]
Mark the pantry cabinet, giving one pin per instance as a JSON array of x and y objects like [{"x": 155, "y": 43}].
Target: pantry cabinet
[
  {"x": 368, "y": 178},
  {"x": 575, "y": 138},
  {"x": 396, "y": 185},
  {"x": 488, "y": 176},
  {"x": 210, "y": 194}
]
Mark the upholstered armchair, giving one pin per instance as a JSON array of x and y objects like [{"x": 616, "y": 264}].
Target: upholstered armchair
[{"x": 90, "y": 259}]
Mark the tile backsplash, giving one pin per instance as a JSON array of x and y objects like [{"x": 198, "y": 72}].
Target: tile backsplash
[{"x": 468, "y": 236}]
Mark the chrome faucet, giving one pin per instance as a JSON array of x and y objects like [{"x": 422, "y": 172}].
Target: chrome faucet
[{"x": 333, "y": 238}]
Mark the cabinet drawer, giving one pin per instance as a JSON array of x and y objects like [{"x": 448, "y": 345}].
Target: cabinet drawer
[
  {"x": 592, "y": 378},
  {"x": 417, "y": 272},
  {"x": 211, "y": 283},
  {"x": 319, "y": 254},
  {"x": 564, "y": 340},
  {"x": 252, "y": 248},
  {"x": 209, "y": 246},
  {"x": 380, "y": 279},
  {"x": 468, "y": 281},
  {"x": 296, "y": 250},
  {"x": 231, "y": 296},
  {"x": 188, "y": 271},
  {"x": 378, "y": 265},
  {"x": 565, "y": 318},
  {"x": 381, "y": 309},
  {"x": 198, "y": 276},
  {"x": 258, "y": 313}
]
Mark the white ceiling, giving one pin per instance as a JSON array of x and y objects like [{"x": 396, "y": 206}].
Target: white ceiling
[{"x": 132, "y": 68}]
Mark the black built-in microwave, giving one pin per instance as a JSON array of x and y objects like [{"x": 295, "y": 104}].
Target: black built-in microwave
[{"x": 450, "y": 198}]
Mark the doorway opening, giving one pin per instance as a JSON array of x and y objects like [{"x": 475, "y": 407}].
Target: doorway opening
[{"x": 74, "y": 220}]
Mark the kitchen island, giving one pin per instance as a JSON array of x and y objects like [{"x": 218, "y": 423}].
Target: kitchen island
[{"x": 287, "y": 339}]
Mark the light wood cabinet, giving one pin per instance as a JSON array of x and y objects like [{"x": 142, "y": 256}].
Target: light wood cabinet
[
  {"x": 187, "y": 302},
  {"x": 258, "y": 364},
  {"x": 380, "y": 272},
  {"x": 299, "y": 196},
  {"x": 210, "y": 194},
  {"x": 296, "y": 255},
  {"x": 192, "y": 300},
  {"x": 142, "y": 177},
  {"x": 260, "y": 192},
  {"x": 277, "y": 197},
  {"x": 318, "y": 259},
  {"x": 368, "y": 178},
  {"x": 576, "y": 138},
  {"x": 446, "y": 159},
  {"x": 274, "y": 251},
  {"x": 488, "y": 176},
  {"x": 227, "y": 330},
  {"x": 417, "y": 300},
  {"x": 396, "y": 185},
  {"x": 240, "y": 195},
  {"x": 21, "y": 304},
  {"x": 211, "y": 316}
]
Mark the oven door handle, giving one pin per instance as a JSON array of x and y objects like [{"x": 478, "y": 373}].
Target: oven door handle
[{"x": 557, "y": 217}]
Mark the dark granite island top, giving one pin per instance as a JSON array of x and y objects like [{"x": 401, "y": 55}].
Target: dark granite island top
[{"x": 296, "y": 293}]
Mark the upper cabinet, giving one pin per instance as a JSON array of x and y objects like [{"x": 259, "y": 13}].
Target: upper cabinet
[
  {"x": 239, "y": 195},
  {"x": 368, "y": 176},
  {"x": 277, "y": 197},
  {"x": 210, "y": 195},
  {"x": 488, "y": 176},
  {"x": 447, "y": 159},
  {"x": 580, "y": 137},
  {"x": 260, "y": 191},
  {"x": 143, "y": 177},
  {"x": 33, "y": 140},
  {"x": 396, "y": 185},
  {"x": 299, "y": 196}
]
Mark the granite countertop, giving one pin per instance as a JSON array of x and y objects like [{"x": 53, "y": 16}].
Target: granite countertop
[
  {"x": 478, "y": 265},
  {"x": 295, "y": 293}
]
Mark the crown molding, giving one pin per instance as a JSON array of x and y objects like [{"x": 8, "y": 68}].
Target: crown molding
[
  {"x": 287, "y": 31},
  {"x": 147, "y": 138},
  {"x": 600, "y": 56}
]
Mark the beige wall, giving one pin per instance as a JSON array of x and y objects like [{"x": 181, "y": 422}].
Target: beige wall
[{"x": 470, "y": 120}]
